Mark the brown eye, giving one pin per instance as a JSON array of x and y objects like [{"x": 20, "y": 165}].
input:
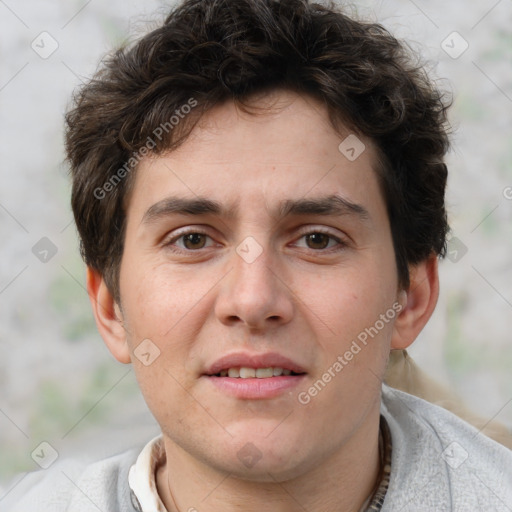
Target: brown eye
[
  {"x": 194, "y": 240},
  {"x": 188, "y": 242},
  {"x": 321, "y": 242},
  {"x": 317, "y": 240}
]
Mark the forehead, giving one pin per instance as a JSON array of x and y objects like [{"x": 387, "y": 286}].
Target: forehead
[{"x": 283, "y": 150}]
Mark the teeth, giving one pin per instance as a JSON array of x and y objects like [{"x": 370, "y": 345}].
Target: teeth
[
  {"x": 246, "y": 373},
  {"x": 260, "y": 373},
  {"x": 234, "y": 372}
]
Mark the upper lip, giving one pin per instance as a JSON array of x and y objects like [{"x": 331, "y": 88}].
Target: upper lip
[{"x": 244, "y": 359}]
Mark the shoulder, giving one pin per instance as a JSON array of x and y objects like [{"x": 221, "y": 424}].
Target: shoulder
[
  {"x": 74, "y": 484},
  {"x": 440, "y": 462}
]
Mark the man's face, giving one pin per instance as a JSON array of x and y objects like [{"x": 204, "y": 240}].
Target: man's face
[{"x": 271, "y": 274}]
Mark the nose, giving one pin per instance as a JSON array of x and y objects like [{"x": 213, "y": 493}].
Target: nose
[{"x": 255, "y": 294}]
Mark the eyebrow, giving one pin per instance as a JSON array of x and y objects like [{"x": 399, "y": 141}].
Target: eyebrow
[{"x": 332, "y": 205}]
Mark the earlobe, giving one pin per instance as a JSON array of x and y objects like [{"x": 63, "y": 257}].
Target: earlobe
[
  {"x": 108, "y": 316},
  {"x": 418, "y": 303}
]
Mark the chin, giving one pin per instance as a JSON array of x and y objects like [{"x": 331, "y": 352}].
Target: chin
[{"x": 266, "y": 454}]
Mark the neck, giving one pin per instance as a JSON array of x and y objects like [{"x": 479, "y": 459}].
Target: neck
[{"x": 340, "y": 482}]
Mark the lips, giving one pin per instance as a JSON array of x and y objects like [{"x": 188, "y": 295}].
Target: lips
[
  {"x": 247, "y": 376},
  {"x": 253, "y": 361}
]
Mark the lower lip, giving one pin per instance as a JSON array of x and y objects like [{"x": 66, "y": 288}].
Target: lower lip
[{"x": 254, "y": 388}]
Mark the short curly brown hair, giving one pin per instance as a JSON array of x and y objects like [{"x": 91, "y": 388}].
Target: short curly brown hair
[{"x": 212, "y": 51}]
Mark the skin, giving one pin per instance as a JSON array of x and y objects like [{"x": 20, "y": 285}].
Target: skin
[{"x": 297, "y": 298}]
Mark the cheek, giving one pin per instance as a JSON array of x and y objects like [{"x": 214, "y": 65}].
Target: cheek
[
  {"x": 357, "y": 306},
  {"x": 353, "y": 298},
  {"x": 157, "y": 310},
  {"x": 156, "y": 299},
  {"x": 170, "y": 309}
]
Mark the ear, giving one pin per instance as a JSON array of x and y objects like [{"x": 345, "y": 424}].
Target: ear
[
  {"x": 419, "y": 302},
  {"x": 108, "y": 316}
]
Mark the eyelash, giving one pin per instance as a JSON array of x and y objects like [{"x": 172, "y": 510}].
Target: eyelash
[{"x": 169, "y": 245}]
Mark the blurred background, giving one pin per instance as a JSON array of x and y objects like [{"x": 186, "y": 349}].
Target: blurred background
[{"x": 60, "y": 385}]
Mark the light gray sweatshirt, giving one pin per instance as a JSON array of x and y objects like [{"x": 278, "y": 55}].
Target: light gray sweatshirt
[{"x": 439, "y": 463}]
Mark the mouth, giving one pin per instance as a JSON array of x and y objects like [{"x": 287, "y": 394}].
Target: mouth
[
  {"x": 253, "y": 365},
  {"x": 246, "y": 372},
  {"x": 256, "y": 376}
]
